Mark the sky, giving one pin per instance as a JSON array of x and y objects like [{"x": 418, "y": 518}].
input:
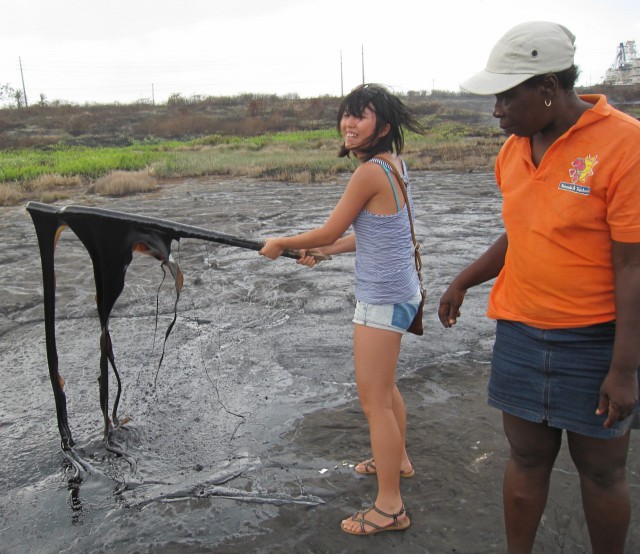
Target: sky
[{"x": 107, "y": 51}]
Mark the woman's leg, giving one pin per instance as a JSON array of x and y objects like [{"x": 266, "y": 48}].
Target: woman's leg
[
  {"x": 601, "y": 464},
  {"x": 400, "y": 413},
  {"x": 376, "y": 356},
  {"x": 534, "y": 448}
]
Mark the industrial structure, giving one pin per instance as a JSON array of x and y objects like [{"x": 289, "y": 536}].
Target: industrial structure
[{"x": 626, "y": 69}]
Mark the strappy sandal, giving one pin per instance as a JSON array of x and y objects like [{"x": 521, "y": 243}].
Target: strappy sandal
[
  {"x": 395, "y": 525},
  {"x": 370, "y": 469}
]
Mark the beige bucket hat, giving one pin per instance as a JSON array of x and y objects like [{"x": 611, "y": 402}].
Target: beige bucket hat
[{"x": 529, "y": 49}]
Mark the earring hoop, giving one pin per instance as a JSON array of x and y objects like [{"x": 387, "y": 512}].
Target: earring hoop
[{"x": 547, "y": 103}]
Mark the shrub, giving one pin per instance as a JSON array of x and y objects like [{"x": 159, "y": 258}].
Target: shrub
[
  {"x": 123, "y": 183},
  {"x": 51, "y": 181},
  {"x": 80, "y": 124},
  {"x": 9, "y": 195}
]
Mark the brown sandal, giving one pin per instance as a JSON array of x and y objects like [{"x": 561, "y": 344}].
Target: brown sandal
[
  {"x": 370, "y": 469},
  {"x": 395, "y": 525}
]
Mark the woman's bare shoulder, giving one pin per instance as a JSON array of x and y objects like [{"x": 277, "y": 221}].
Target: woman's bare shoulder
[{"x": 369, "y": 171}]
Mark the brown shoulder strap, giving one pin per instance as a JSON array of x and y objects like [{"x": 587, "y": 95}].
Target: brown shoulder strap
[{"x": 403, "y": 188}]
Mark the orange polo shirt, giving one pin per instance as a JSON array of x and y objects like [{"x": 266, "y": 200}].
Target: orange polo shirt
[{"x": 560, "y": 219}]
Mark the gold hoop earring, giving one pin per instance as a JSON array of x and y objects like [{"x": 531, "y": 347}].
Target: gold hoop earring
[{"x": 547, "y": 103}]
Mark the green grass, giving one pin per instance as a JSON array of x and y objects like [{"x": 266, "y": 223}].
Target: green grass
[
  {"x": 25, "y": 165},
  {"x": 297, "y": 156},
  {"x": 213, "y": 154}
]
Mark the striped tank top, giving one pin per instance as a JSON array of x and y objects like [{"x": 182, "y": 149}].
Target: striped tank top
[{"x": 385, "y": 268}]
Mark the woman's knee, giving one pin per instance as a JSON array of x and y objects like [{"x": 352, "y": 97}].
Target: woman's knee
[
  {"x": 602, "y": 461},
  {"x": 373, "y": 407},
  {"x": 603, "y": 477},
  {"x": 533, "y": 446},
  {"x": 533, "y": 459}
]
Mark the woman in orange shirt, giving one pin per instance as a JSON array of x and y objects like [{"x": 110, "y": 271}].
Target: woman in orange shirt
[{"x": 567, "y": 291}]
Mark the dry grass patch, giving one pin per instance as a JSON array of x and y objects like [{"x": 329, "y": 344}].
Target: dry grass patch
[
  {"x": 123, "y": 183},
  {"x": 304, "y": 177},
  {"x": 463, "y": 155},
  {"x": 9, "y": 195},
  {"x": 44, "y": 188},
  {"x": 51, "y": 196},
  {"x": 53, "y": 181}
]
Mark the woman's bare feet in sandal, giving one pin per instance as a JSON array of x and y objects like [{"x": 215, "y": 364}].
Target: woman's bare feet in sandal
[
  {"x": 368, "y": 467},
  {"x": 374, "y": 520}
]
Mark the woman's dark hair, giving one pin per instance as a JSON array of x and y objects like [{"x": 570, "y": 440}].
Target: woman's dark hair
[
  {"x": 388, "y": 109},
  {"x": 566, "y": 78}
]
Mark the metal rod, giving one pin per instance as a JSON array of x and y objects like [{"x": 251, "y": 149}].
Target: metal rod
[{"x": 179, "y": 229}]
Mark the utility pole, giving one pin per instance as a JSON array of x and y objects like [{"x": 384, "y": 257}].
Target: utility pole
[
  {"x": 341, "y": 77},
  {"x": 363, "y": 64},
  {"x": 153, "y": 96},
  {"x": 24, "y": 90}
]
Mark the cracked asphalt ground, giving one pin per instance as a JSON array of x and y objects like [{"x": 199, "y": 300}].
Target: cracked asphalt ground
[{"x": 244, "y": 439}]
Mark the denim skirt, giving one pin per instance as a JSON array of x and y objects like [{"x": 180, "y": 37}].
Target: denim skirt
[{"x": 554, "y": 376}]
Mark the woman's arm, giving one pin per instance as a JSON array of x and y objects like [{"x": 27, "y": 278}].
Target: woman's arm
[
  {"x": 363, "y": 185},
  {"x": 341, "y": 246},
  {"x": 619, "y": 390},
  {"x": 485, "y": 268}
]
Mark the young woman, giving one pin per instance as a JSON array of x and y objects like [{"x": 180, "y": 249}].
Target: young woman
[
  {"x": 371, "y": 121},
  {"x": 567, "y": 294}
]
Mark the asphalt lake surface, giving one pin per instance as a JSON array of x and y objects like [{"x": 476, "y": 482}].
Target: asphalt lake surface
[{"x": 244, "y": 439}]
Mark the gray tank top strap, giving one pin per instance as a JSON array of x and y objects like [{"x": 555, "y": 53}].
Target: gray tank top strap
[{"x": 387, "y": 170}]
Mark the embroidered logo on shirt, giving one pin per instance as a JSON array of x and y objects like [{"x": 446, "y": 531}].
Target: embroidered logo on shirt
[
  {"x": 581, "y": 169},
  {"x": 571, "y": 187}
]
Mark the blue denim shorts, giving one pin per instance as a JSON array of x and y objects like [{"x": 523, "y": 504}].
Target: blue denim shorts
[
  {"x": 554, "y": 376},
  {"x": 392, "y": 317}
]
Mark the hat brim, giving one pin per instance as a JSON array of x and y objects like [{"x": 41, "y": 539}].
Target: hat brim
[{"x": 486, "y": 82}]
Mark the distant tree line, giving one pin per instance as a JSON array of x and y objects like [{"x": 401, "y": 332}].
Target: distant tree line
[{"x": 10, "y": 95}]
